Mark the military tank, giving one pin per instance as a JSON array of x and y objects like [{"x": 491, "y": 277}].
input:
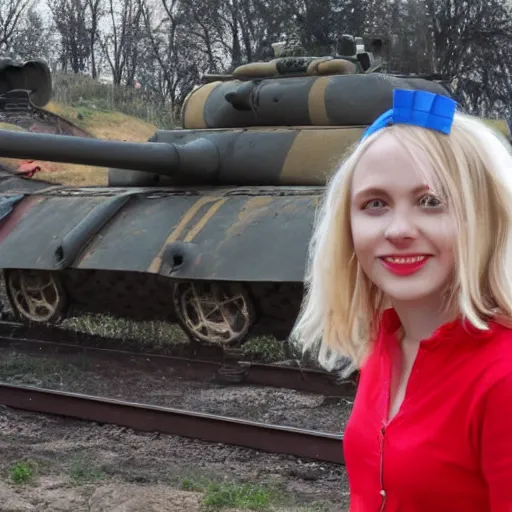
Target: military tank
[
  {"x": 208, "y": 225},
  {"x": 25, "y": 88}
]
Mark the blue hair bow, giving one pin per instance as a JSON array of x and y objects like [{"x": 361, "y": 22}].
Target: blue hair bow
[{"x": 418, "y": 108}]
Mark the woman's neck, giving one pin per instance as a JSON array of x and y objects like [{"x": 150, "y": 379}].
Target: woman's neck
[{"x": 421, "y": 319}]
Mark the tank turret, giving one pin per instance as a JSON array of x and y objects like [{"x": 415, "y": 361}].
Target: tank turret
[{"x": 288, "y": 121}]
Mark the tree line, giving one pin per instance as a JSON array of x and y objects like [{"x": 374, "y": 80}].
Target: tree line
[{"x": 165, "y": 46}]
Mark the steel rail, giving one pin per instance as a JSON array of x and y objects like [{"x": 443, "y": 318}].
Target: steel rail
[
  {"x": 321, "y": 446},
  {"x": 300, "y": 379}
]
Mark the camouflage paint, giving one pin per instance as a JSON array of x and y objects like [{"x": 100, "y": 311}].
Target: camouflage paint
[
  {"x": 218, "y": 234},
  {"x": 266, "y": 156},
  {"x": 341, "y": 100}
]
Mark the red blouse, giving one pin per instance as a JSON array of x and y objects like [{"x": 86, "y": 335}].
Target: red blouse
[{"x": 449, "y": 448}]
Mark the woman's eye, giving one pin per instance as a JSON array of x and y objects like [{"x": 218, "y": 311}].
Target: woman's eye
[
  {"x": 429, "y": 201},
  {"x": 374, "y": 203}
]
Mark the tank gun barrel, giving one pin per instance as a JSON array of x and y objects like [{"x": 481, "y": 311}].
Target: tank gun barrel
[{"x": 155, "y": 157}]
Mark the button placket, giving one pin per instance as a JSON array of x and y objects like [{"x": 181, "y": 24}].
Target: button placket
[{"x": 382, "y": 491}]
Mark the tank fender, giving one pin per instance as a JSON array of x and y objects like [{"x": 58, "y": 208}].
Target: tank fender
[{"x": 75, "y": 241}]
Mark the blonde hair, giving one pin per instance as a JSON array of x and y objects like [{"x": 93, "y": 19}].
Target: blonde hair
[{"x": 342, "y": 308}]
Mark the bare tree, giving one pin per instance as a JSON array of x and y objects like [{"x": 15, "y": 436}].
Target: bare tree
[
  {"x": 71, "y": 20},
  {"x": 174, "y": 50},
  {"x": 11, "y": 12},
  {"x": 32, "y": 39},
  {"x": 96, "y": 12},
  {"x": 121, "y": 44},
  {"x": 473, "y": 42}
]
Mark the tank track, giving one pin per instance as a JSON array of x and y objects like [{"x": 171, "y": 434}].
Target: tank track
[{"x": 270, "y": 308}]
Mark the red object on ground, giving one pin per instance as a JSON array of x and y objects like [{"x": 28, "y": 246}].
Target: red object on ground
[{"x": 28, "y": 168}]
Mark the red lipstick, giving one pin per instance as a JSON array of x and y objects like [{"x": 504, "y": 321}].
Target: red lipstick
[{"x": 404, "y": 264}]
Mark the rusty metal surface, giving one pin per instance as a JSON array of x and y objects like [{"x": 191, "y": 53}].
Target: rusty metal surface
[
  {"x": 40, "y": 120},
  {"x": 240, "y": 372},
  {"x": 141, "y": 297},
  {"x": 211, "y": 236},
  {"x": 320, "y": 446}
]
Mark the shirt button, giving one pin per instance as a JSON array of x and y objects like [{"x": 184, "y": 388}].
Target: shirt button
[{"x": 383, "y": 493}]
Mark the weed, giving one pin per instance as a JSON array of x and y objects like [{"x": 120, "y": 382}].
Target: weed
[
  {"x": 84, "y": 470},
  {"x": 22, "y": 472},
  {"x": 153, "y": 334},
  {"x": 190, "y": 485},
  {"x": 241, "y": 495}
]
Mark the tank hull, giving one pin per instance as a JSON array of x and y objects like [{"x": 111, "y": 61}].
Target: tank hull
[
  {"x": 183, "y": 233},
  {"x": 162, "y": 254}
]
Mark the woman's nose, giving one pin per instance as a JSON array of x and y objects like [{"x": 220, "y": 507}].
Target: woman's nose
[{"x": 401, "y": 227}]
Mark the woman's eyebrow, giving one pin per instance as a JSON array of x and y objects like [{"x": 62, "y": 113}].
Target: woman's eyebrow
[{"x": 378, "y": 191}]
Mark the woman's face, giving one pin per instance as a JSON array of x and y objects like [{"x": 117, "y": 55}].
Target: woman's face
[{"x": 404, "y": 235}]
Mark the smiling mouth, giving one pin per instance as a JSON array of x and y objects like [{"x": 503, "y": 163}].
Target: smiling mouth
[
  {"x": 404, "y": 265},
  {"x": 407, "y": 259}
]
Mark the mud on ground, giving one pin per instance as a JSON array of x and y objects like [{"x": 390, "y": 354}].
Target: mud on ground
[{"x": 84, "y": 466}]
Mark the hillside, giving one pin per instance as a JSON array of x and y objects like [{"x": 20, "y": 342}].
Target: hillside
[{"x": 99, "y": 123}]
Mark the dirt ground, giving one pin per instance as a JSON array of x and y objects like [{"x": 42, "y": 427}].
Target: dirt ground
[
  {"x": 83, "y": 466},
  {"x": 79, "y": 466}
]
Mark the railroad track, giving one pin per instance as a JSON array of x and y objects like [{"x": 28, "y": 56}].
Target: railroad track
[
  {"x": 320, "y": 446},
  {"x": 13, "y": 336}
]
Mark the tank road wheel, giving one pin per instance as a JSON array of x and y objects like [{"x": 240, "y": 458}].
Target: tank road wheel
[
  {"x": 36, "y": 295},
  {"x": 217, "y": 313}
]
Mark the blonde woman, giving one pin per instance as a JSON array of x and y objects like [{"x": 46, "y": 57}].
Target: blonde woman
[{"x": 409, "y": 277}]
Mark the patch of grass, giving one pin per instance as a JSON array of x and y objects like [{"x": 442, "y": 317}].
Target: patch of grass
[
  {"x": 145, "y": 104},
  {"x": 84, "y": 470},
  {"x": 219, "y": 495},
  {"x": 189, "y": 484},
  {"x": 157, "y": 335},
  {"x": 22, "y": 472},
  {"x": 150, "y": 334},
  {"x": 225, "y": 494},
  {"x": 242, "y": 495},
  {"x": 104, "y": 123},
  {"x": 264, "y": 349}
]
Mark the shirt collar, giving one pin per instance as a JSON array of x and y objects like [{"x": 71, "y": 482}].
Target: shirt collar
[{"x": 454, "y": 330}]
